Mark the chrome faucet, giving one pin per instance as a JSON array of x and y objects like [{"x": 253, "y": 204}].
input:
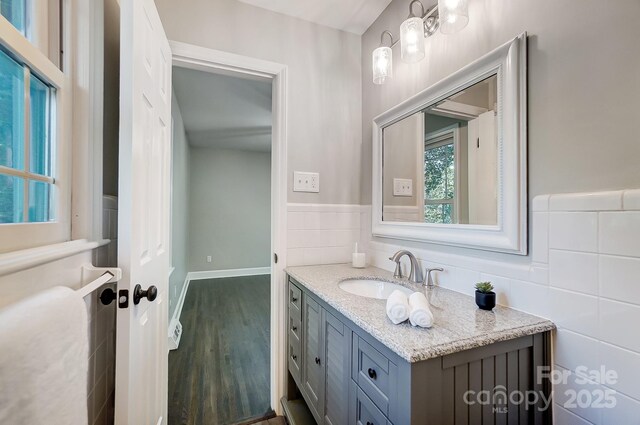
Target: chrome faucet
[{"x": 415, "y": 276}]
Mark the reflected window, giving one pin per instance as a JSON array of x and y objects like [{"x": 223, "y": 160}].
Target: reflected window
[{"x": 439, "y": 179}]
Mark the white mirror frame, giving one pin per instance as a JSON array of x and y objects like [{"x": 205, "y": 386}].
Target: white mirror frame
[{"x": 509, "y": 62}]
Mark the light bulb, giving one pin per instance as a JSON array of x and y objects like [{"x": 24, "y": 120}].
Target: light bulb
[
  {"x": 412, "y": 40},
  {"x": 452, "y": 4},
  {"x": 382, "y": 64},
  {"x": 454, "y": 15}
]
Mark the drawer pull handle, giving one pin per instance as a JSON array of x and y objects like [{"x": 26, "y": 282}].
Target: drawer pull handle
[
  {"x": 294, "y": 299},
  {"x": 317, "y": 360},
  {"x": 372, "y": 373}
]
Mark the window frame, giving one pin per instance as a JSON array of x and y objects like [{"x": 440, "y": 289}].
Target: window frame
[
  {"x": 437, "y": 139},
  {"x": 16, "y": 236}
]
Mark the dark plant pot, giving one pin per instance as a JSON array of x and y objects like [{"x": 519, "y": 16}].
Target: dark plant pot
[{"x": 486, "y": 300}]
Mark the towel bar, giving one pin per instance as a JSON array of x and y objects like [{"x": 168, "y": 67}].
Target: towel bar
[{"x": 107, "y": 275}]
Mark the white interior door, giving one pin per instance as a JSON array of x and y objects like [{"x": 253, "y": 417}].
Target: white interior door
[
  {"x": 483, "y": 170},
  {"x": 143, "y": 214}
]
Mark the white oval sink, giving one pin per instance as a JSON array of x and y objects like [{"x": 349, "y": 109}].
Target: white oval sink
[{"x": 372, "y": 288}]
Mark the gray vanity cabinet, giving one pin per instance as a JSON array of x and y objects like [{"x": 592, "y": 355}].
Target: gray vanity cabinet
[
  {"x": 347, "y": 377},
  {"x": 312, "y": 363},
  {"x": 325, "y": 365},
  {"x": 336, "y": 355}
]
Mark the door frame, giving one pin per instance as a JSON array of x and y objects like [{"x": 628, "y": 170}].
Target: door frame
[{"x": 220, "y": 62}]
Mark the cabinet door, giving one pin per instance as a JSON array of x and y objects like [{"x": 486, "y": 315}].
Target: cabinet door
[
  {"x": 313, "y": 365},
  {"x": 337, "y": 357}
]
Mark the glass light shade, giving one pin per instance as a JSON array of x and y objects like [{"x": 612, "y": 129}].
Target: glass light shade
[
  {"x": 412, "y": 40},
  {"x": 382, "y": 64},
  {"x": 454, "y": 15}
]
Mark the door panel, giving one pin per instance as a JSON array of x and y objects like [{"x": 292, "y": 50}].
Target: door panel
[
  {"x": 337, "y": 357},
  {"x": 312, "y": 375},
  {"x": 143, "y": 214}
]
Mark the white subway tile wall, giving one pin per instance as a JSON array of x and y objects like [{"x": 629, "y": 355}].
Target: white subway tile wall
[
  {"x": 322, "y": 234},
  {"x": 584, "y": 274}
]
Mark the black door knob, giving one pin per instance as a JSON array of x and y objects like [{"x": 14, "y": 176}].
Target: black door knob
[
  {"x": 138, "y": 293},
  {"x": 372, "y": 373},
  {"x": 318, "y": 360}
]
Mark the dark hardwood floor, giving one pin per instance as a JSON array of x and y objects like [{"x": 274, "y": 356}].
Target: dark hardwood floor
[{"x": 219, "y": 375}]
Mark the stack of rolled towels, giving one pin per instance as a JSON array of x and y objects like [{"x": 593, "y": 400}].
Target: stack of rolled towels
[{"x": 415, "y": 308}]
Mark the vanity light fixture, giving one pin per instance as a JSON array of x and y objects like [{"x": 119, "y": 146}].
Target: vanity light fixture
[
  {"x": 449, "y": 15},
  {"x": 454, "y": 15},
  {"x": 383, "y": 60},
  {"x": 412, "y": 36}
]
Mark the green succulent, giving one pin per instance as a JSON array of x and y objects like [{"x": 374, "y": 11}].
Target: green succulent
[{"x": 484, "y": 287}]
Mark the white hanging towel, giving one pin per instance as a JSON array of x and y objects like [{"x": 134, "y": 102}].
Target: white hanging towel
[
  {"x": 420, "y": 313},
  {"x": 44, "y": 360}
]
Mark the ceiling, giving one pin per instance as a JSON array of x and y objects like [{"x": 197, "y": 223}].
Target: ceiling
[
  {"x": 221, "y": 111},
  {"x": 348, "y": 15}
]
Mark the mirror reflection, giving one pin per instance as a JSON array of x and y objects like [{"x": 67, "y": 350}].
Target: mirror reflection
[{"x": 440, "y": 165}]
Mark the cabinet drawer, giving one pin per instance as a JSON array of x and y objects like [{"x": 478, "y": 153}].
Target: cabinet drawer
[
  {"x": 374, "y": 373},
  {"x": 295, "y": 300},
  {"x": 294, "y": 325},
  {"x": 294, "y": 357},
  {"x": 363, "y": 411}
]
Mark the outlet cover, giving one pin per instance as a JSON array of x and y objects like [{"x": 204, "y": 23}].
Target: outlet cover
[
  {"x": 306, "y": 182},
  {"x": 402, "y": 187}
]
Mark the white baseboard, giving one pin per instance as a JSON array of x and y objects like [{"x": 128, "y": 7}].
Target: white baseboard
[
  {"x": 215, "y": 274},
  {"x": 173, "y": 321}
]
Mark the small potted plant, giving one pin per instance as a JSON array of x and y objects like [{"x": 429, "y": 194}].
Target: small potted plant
[{"x": 485, "y": 297}]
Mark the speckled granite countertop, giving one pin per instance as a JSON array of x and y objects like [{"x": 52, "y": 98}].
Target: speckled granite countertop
[{"x": 459, "y": 324}]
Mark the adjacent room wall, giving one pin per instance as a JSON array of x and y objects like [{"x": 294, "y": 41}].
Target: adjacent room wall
[
  {"x": 179, "y": 207},
  {"x": 324, "y": 90},
  {"x": 229, "y": 209}
]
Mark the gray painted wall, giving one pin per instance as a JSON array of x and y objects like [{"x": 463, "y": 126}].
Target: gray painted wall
[
  {"x": 229, "y": 209},
  {"x": 324, "y": 124},
  {"x": 575, "y": 74},
  {"x": 179, "y": 206},
  {"x": 111, "y": 112}
]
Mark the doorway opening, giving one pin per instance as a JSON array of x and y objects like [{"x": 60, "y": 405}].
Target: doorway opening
[{"x": 226, "y": 285}]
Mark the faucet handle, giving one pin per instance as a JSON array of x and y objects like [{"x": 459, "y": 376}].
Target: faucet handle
[
  {"x": 429, "y": 279},
  {"x": 398, "y": 271}
]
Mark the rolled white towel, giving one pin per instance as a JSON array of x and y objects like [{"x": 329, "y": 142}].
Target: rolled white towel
[
  {"x": 419, "y": 311},
  {"x": 398, "y": 307}
]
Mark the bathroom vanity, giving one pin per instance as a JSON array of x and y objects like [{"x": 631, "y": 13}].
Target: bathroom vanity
[{"x": 353, "y": 366}]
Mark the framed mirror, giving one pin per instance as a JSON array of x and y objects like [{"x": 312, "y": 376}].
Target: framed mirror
[{"x": 449, "y": 164}]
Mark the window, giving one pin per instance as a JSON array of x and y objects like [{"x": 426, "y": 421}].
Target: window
[
  {"x": 440, "y": 179},
  {"x": 25, "y": 145},
  {"x": 15, "y": 12},
  {"x": 34, "y": 155}
]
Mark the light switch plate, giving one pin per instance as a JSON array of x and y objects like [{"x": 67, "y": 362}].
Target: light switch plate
[
  {"x": 402, "y": 187},
  {"x": 306, "y": 182}
]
